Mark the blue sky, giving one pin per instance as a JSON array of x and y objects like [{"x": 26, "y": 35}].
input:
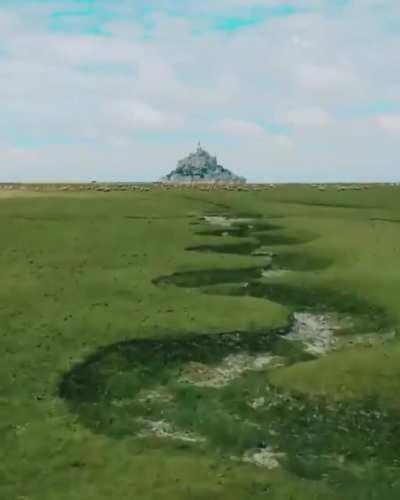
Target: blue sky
[{"x": 305, "y": 90}]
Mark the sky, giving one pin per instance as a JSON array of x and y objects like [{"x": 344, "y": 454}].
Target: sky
[{"x": 278, "y": 90}]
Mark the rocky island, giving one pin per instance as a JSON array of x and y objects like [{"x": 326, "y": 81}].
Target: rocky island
[{"x": 201, "y": 167}]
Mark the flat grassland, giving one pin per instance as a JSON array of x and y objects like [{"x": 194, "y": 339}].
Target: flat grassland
[{"x": 144, "y": 351}]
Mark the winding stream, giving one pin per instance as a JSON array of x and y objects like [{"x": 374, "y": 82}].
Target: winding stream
[{"x": 211, "y": 392}]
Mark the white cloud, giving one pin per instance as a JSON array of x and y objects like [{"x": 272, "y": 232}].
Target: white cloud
[
  {"x": 240, "y": 128},
  {"x": 120, "y": 161},
  {"x": 137, "y": 115},
  {"x": 251, "y": 133},
  {"x": 326, "y": 78},
  {"x": 390, "y": 122},
  {"x": 312, "y": 116},
  {"x": 9, "y": 21},
  {"x": 282, "y": 140}
]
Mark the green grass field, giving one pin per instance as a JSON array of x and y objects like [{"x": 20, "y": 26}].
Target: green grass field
[{"x": 108, "y": 294}]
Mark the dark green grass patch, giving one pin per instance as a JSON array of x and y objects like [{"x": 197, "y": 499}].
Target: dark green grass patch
[
  {"x": 123, "y": 369},
  {"x": 322, "y": 204},
  {"x": 241, "y": 248},
  {"x": 209, "y": 277},
  {"x": 300, "y": 261},
  {"x": 383, "y": 219}
]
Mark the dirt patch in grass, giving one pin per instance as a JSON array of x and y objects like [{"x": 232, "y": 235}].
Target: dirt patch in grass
[
  {"x": 315, "y": 332},
  {"x": 164, "y": 430},
  {"x": 264, "y": 457},
  {"x": 155, "y": 395},
  {"x": 231, "y": 367}
]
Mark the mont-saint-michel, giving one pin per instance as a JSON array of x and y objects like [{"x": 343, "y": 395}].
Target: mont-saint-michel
[{"x": 201, "y": 167}]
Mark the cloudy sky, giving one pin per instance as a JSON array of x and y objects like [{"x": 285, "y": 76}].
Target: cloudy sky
[{"x": 292, "y": 90}]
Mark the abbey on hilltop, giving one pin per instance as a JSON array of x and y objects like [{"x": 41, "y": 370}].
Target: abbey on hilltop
[{"x": 201, "y": 167}]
